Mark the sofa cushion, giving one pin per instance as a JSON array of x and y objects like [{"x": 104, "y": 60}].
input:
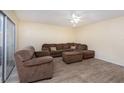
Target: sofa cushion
[
  {"x": 47, "y": 46},
  {"x": 56, "y": 52},
  {"x": 68, "y": 50},
  {"x": 66, "y": 46},
  {"x": 42, "y": 53},
  {"x": 38, "y": 61},
  {"x": 82, "y": 47},
  {"x": 71, "y": 44},
  {"x": 72, "y": 53},
  {"x": 59, "y": 46}
]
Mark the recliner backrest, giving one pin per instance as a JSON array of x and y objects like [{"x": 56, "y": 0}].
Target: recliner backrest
[{"x": 25, "y": 54}]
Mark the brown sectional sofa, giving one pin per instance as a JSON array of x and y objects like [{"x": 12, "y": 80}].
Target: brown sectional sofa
[
  {"x": 36, "y": 65},
  {"x": 88, "y": 54},
  {"x": 59, "y": 48}
]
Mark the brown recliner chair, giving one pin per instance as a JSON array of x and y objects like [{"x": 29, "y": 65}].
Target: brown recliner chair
[{"x": 32, "y": 68}]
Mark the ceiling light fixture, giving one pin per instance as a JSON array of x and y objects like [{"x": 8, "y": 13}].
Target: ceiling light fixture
[{"x": 75, "y": 19}]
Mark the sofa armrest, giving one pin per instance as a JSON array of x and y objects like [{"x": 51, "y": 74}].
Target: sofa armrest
[
  {"x": 38, "y": 61},
  {"x": 42, "y": 53}
]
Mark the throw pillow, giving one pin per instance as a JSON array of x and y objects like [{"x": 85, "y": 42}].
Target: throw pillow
[
  {"x": 53, "y": 48},
  {"x": 73, "y": 47}
]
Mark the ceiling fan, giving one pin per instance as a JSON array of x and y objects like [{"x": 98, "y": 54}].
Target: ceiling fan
[{"x": 74, "y": 19}]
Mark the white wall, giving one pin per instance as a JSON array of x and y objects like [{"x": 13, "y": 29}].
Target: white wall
[
  {"x": 106, "y": 38},
  {"x": 37, "y": 34}
]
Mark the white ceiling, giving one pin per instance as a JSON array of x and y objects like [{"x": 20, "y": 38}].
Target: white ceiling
[{"x": 60, "y": 17}]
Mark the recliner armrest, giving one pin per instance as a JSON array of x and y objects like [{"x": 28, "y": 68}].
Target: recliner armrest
[{"x": 38, "y": 61}]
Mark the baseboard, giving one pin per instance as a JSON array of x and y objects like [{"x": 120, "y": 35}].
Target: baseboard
[{"x": 110, "y": 61}]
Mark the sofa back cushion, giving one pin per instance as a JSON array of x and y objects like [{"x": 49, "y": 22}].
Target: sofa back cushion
[
  {"x": 71, "y": 44},
  {"x": 82, "y": 47},
  {"x": 48, "y": 46},
  {"x": 25, "y": 54},
  {"x": 59, "y": 46},
  {"x": 66, "y": 46}
]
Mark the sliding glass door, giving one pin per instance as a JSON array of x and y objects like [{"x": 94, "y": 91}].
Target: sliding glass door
[
  {"x": 7, "y": 46},
  {"x": 1, "y": 46}
]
